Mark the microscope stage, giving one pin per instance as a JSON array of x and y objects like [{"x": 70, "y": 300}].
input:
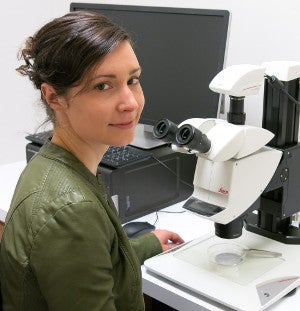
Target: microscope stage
[{"x": 254, "y": 284}]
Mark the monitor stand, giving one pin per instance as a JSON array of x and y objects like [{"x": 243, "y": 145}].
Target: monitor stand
[{"x": 144, "y": 137}]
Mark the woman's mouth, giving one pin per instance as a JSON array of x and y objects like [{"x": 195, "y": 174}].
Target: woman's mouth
[{"x": 124, "y": 125}]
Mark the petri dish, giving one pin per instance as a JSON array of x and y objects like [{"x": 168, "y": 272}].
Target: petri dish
[{"x": 226, "y": 254}]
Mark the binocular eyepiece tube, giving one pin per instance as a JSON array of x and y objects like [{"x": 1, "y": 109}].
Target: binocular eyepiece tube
[
  {"x": 165, "y": 130},
  {"x": 188, "y": 136},
  {"x": 184, "y": 136}
]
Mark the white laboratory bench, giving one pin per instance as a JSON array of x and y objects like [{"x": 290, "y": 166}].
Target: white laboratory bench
[
  {"x": 9, "y": 175},
  {"x": 172, "y": 218}
]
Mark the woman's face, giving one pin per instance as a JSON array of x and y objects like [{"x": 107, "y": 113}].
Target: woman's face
[{"x": 108, "y": 109}]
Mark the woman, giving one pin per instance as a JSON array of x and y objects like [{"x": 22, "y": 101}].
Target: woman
[{"x": 63, "y": 247}]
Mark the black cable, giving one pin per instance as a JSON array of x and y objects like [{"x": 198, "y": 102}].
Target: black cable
[
  {"x": 156, "y": 220},
  {"x": 168, "y": 212},
  {"x": 182, "y": 181},
  {"x": 278, "y": 85},
  {"x": 174, "y": 173}
]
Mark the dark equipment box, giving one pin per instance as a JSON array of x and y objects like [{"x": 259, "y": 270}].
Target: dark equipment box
[{"x": 146, "y": 186}]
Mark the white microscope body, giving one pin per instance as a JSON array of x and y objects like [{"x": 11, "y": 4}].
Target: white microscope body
[
  {"x": 235, "y": 170},
  {"x": 233, "y": 173}
]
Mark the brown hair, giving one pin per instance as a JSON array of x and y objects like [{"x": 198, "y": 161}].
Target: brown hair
[{"x": 63, "y": 50}]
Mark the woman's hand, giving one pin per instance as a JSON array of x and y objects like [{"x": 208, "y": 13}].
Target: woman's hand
[{"x": 167, "y": 239}]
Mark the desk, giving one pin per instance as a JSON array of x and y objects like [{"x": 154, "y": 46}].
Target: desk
[
  {"x": 172, "y": 218},
  {"x": 190, "y": 227},
  {"x": 9, "y": 175}
]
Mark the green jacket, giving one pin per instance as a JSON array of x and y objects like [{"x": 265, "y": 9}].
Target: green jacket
[{"x": 63, "y": 246}]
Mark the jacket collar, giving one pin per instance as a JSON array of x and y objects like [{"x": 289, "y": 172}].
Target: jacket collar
[{"x": 57, "y": 153}]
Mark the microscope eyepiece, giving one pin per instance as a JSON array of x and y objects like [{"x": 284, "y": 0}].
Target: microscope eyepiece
[
  {"x": 165, "y": 130},
  {"x": 188, "y": 136}
]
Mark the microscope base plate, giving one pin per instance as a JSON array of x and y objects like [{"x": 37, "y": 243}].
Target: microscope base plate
[{"x": 256, "y": 282}]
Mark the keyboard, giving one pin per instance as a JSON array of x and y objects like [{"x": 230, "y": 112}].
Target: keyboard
[
  {"x": 39, "y": 138},
  {"x": 114, "y": 156},
  {"x": 120, "y": 156}
]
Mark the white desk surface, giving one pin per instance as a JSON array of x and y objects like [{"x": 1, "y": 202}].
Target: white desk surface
[
  {"x": 185, "y": 224},
  {"x": 9, "y": 175}
]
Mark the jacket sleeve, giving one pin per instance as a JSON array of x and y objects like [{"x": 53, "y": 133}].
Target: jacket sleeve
[
  {"x": 146, "y": 246},
  {"x": 71, "y": 258}
]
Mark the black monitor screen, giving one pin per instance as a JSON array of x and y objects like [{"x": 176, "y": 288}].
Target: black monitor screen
[{"x": 180, "y": 51}]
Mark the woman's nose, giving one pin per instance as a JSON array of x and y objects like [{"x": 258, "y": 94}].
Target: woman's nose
[{"x": 128, "y": 100}]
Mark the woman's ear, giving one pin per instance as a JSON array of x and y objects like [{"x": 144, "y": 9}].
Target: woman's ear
[{"x": 53, "y": 100}]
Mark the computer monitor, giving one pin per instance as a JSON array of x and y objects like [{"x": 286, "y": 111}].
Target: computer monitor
[{"x": 180, "y": 51}]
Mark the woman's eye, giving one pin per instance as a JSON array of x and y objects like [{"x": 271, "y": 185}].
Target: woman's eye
[
  {"x": 134, "y": 80},
  {"x": 102, "y": 86}
]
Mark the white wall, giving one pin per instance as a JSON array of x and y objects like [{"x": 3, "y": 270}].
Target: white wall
[{"x": 260, "y": 31}]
